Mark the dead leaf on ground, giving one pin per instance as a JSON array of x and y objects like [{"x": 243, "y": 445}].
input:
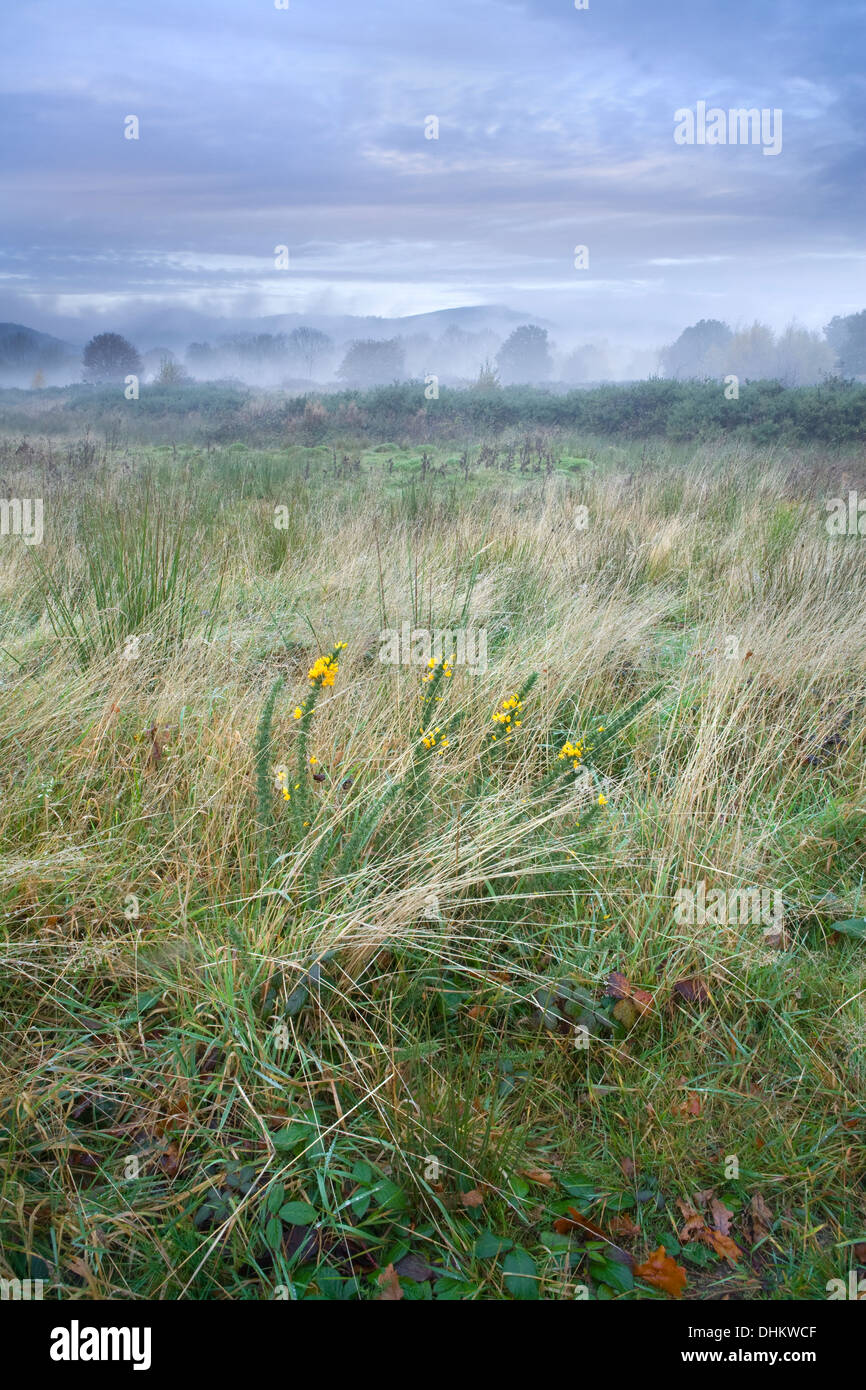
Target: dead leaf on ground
[
  {"x": 721, "y": 1217},
  {"x": 626, "y": 1012},
  {"x": 695, "y": 1228},
  {"x": 663, "y": 1272},
  {"x": 693, "y": 990},
  {"x": 416, "y": 1268},
  {"x": 540, "y": 1176},
  {"x": 723, "y": 1245},
  {"x": 475, "y": 1198},
  {"x": 169, "y": 1160},
  {"x": 576, "y": 1221},
  {"x": 618, "y": 987},
  {"x": 690, "y": 1107},
  {"x": 389, "y": 1283},
  {"x": 624, "y": 1227},
  {"x": 81, "y": 1270},
  {"x": 694, "y": 1223},
  {"x": 760, "y": 1218}
]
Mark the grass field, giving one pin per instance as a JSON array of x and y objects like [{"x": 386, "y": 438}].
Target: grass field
[{"x": 337, "y": 985}]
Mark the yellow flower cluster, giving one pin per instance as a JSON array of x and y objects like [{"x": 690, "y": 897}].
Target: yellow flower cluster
[
  {"x": 430, "y": 739},
  {"x": 325, "y": 668},
  {"x": 322, "y": 673},
  {"x": 505, "y": 717},
  {"x": 281, "y": 778},
  {"x": 431, "y": 669},
  {"x": 573, "y": 751}
]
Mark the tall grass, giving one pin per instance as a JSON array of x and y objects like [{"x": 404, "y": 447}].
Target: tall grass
[
  {"x": 138, "y": 564},
  {"x": 386, "y": 997}
]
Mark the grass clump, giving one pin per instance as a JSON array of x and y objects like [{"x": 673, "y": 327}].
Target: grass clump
[{"x": 329, "y": 977}]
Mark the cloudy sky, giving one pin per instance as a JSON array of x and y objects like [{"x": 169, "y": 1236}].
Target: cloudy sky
[{"x": 305, "y": 127}]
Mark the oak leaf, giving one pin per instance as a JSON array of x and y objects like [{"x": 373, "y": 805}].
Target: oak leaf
[{"x": 663, "y": 1272}]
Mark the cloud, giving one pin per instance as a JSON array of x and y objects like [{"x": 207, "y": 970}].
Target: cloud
[{"x": 306, "y": 127}]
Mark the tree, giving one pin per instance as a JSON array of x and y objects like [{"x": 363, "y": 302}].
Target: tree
[
  {"x": 750, "y": 355},
  {"x": 802, "y": 357},
  {"x": 110, "y": 357},
  {"x": 200, "y": 356},
  {"x": 847, "y": 337},
  {"x": 695, "y": 352},
  {"x": 487, "y": 381},
  {"x": 589, "y": 362},
  {"x": 309, "y": 345},
  {"x": 372, "y": 362},
  {"x": 525, "y": 356},
  {"x": 171, "y": 373}
]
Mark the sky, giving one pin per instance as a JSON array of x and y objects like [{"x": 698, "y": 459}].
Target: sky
[{"x": 305, "y": 127}]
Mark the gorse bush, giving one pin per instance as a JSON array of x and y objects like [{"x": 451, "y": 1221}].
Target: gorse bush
[
  {"x": 219, "y": 413},
  {"x": 335, "y": 827}
]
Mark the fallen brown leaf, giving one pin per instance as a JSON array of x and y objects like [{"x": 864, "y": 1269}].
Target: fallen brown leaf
[
  {"x": 81, "y": 1269},
  {"x": 624, "y": 1227},
  {"x": 169, "y": 1160},
  {"x": 663, "y": 1272},
  {"x": 389, "y": 1283},
  {"x": 618, "y": 987},
  {"x": 721, "y": 1217},
  {"x": 576, "y": 1221},
  {"x": 693, "y": 990},
  {"x": 723, "y": 1245},
  {"x": 540, "y": 1176},
  {"x": 694, "y": 1223},
  {"x": 760, "y": 1218},
  {"x": 691, "y": 1106}
]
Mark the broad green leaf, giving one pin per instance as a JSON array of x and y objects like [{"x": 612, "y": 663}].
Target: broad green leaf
[
  {"x": 292, "y": 1136},
  {"x": 487, "y": 1245},
  {"x": 852, "y": 926},
  {"x": 274, "y": 1232},
  {"x": 617, "y": 1276},
  {"x": 298, "y": 1214},
  {"x": 521, "y": 1276}
]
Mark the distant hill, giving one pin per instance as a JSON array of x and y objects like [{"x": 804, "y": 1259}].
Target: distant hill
[
  {"x": 176, "y": 328},
  {"x": 452, "y": 342},
  {"x": 24, "y": 351}
]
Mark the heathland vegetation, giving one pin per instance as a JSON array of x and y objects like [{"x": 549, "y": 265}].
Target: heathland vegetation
[{"x": 331, "y": 977}]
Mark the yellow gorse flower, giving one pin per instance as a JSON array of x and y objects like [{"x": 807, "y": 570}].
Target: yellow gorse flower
[
  {"x": 447, "y": 670},
  {"x": 322, "y": 673},
  {"x": 505, "y": 716},
  {"x": 574, "y": 751}
]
